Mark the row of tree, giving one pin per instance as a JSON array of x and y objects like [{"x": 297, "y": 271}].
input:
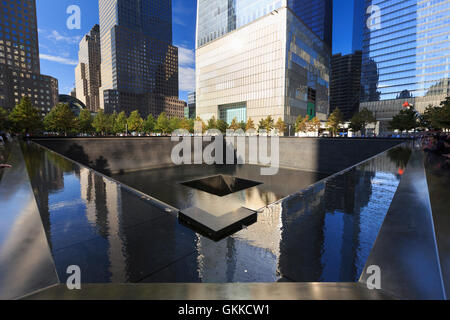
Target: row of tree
[{"x": 24, "y": 118}]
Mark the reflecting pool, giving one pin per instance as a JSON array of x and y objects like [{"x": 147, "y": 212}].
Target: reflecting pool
[{"x": 322, "y": 234}]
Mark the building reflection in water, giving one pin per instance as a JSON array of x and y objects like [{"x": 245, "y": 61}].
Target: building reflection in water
[{"x": 323, "y": 234}]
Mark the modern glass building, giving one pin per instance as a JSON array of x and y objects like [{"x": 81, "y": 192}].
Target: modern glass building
[
  {"x": 139, "y": 68},
  {"x": 406, "y": 55},
  {"x": 19, "y": 58},
  {"x": 217, "y": 18},
  {"x": 359, "y": 19},
  {"x": 87, "y": 72},
  {"x": 260, "y": 58}
]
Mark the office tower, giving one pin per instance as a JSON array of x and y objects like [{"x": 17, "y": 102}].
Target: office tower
[
  {"x": 345, "y": 83},
  {"x": 359, "y": 20},
  {"x": 19, "y": 58},
  {"x": 87, "y": 72},
  {"x": 405, "y": 56},
  {"x": 189, "y": 111},
  {"x": 139, "y": 68},
  {"x": 259, "y": 58}
]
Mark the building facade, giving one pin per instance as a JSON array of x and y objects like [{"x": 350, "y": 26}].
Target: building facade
[
  {"x": 139, "y": 68},
  {"x": 189, "y": 111},
  {"x": 87, "y": 72},
  {"x": 345, "y": 86},
  {"x": 406, "y": 56},
  {"x": 19, "y": 58},
  {"x": 258, "y": 58}
]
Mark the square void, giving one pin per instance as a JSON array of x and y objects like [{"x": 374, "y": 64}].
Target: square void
[{"x": 221, "y": 185}]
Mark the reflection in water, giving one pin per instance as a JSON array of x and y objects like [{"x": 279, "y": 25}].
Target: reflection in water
[{"x": 325, "y": 233}]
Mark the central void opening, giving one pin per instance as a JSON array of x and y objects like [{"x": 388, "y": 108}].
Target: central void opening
[{"x": 221, "y": 185}]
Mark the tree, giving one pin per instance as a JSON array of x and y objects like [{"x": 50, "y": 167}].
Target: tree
[
  {"x": 3, "y": 119},
  {"x": 60, "y": 119},
  {"x": 242, "y": 125},
  {"x": 222, "y": 126},
  {"x": 315, "y": 125},
  {"x": 174, "y": 124},
  {"x": 162, "y": 124},
  {"x": 266, "y": 124},
  {"x": 25, "y": 118},
  {"x": 85, "y": 121},
  {"x": 335, "y": 121},
  {"x": 135, "y": 122},
  {"x": 443, "y": 116},
  {"x": 187, "y": 124},
  {"x": 212, "y": 124},
  {"x": 101, "y": 123},
  {"x": 250, "y": 125},
  {"x": 406, "y": 120},
  {"x": 361, "y": 119},
  {"x": 120, "y": 123},
  {"x": 149, "y": 124},
  {"x": 280, "y": 126},
  {"x": 234, "y": 125}
]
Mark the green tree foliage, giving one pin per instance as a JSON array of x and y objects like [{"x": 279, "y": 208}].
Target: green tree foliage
[
  {"x": 85, "y": 122},
  {"x": 149, "y": 124},
  {"x": 406, "y": 120},
  {"x": 60, "y": 119},
  {"x": 267, "y": 124},
  {"x": 174, "y": 124},
  {"x": 25, "y": 118},
  {"x": 135, "y": 122},
  {"x": 120, "y": 123},
  {"x": 101, "y": 123},
  {"x": 335, "y": 121},
  {"x": 212, "y": 124},
  {"x": 242, "y": 126},
  {"x": 443, "y": 115},
  {"x": 361, "y": 119},
  {"x": 162, "y": 124},
  {"x": 222, "y": 126},
  {"x": 280, "y": 126},
  {"x": 186, "y": 124},
  {"x": 3, "y": 119}
]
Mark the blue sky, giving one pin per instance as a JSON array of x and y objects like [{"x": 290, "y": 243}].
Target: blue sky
[{"x": 59, "y": 45}]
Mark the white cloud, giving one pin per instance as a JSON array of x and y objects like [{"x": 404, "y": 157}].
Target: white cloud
[
  {"x": 186, "y": 57},
  {"x": 57, "y": 59},
  {"x": 56, "y": 36},
  {"x": 186, "y": 79}
]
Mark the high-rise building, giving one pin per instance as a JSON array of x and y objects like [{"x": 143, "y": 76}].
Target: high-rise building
[
  {"x": 19, "y": 58},
  {"x": 260, "y": 57},
  {"x": 189, "y": 111},
  {"x": 139, "y": 68},
  {"x": 87, "y": 72},
  {"x": 359, "y": 20},
  {"x": 345, "y": 83},
  {"x": 405, "y": 56}
]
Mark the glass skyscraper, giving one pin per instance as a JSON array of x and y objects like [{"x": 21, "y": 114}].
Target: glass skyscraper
[
  {"x": 19, "y": 58},
  {"x": 406, "y": 54},
  {"x": 139, "y": 63},
  {"x": 257, "y": 58},
  {"x": 216, "y": 18}
]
